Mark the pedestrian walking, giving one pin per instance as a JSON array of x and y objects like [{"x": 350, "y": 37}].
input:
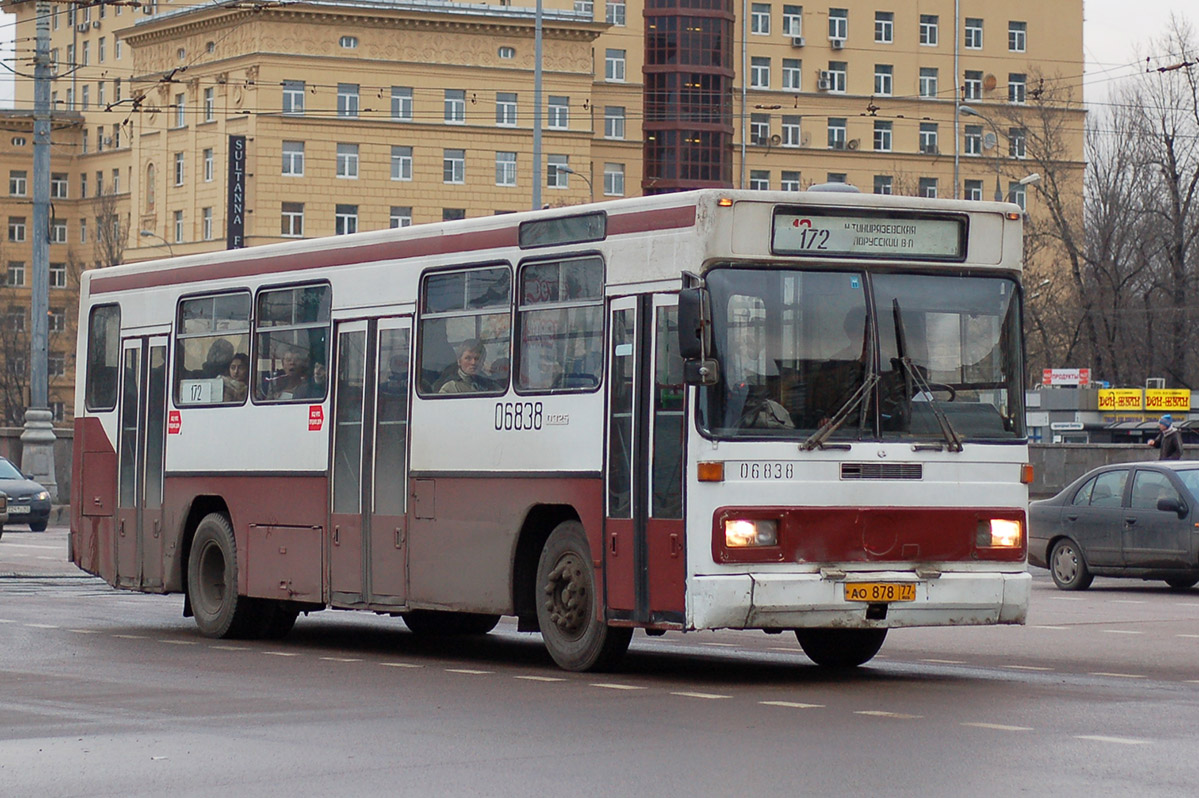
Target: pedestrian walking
[{"x": 1168, "y": 440}]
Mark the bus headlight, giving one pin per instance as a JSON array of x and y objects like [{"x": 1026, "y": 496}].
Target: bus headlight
[
  {"x": 999, "y": 533},
  {"x": 740, "y": 533}
]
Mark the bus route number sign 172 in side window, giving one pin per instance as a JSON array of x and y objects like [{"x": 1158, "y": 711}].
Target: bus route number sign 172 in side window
[{"x": 857, "y": 235}]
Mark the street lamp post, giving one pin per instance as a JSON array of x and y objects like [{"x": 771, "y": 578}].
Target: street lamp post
[
  {"x": 1027, "y": 180},
  {"x": 968, "y": 111},
  {"x": 586, "y": 179},
  {"x": 152, "y": 234}
]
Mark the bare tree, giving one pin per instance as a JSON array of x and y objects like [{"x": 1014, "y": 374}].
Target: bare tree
[{"x": 112, "y": 231}]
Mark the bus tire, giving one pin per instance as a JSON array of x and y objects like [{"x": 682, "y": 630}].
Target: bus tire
[
  {"x": 574, "y": 635},
  {"x": 212, "y": 583},
  {"x": 435, "y": 623},
  {"x": 840, "y": 648}
]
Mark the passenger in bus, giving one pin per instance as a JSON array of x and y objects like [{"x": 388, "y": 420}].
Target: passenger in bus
[
  {"x": 235, "y": 380},
  {"x": 465, "y": 376},
  {"x": 313, "y": 387},
  {"x": 216, "y": 364},
  {"x": 292, "y": 377}
]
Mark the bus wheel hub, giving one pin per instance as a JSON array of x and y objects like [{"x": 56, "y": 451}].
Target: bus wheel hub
[{"x": 566, "y": 594}]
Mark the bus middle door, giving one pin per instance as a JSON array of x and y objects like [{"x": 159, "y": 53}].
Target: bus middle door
[{"x": 644, "y": 549}]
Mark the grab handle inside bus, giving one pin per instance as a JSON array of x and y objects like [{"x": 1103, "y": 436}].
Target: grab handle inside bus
[{"x": 695, "y": 337}]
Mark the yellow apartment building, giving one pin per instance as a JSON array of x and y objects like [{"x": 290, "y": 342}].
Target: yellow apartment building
[{"x": 183, "y": 127}]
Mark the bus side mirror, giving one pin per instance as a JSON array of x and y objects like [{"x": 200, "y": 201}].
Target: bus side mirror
[{"x": 695, "y": 337}]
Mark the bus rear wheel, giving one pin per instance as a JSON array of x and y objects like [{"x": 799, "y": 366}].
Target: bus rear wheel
[
  {"x": 840, "y": 648},
  {"x": 434, "y": 623},
  {"x": 567, "y": 609},
  {"x": 212, "y": 584}
]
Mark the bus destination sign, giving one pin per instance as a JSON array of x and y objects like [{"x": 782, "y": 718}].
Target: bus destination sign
[{"x": 868, "y": 236}]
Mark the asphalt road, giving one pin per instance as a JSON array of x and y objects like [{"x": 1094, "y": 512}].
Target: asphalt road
[{"x": 107, "y": 693}]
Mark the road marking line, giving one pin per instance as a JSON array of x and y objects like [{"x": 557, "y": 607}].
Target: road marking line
[
  {"x": 791, "y": 705},
  {"x": 722, "y": 645},
  {"x": 42, "y": 626},
  {"x": 131, "y": 637},
  {"x": 610, "y": 686},
  {"x": 281, "y": 653},
  {"x": 1128, "y": 601},
  {"x": 945, "y": 661},
  {"x": 179, "y": 642},
  {"x": 1054, "y": 628},
  {"x": 541, "y": 678},
  {"x": 1192, "y": 681},
  {"x": 1121, "y": 631},
  {"x": 1028, "y": 667},
  {"x": 84, "y": 631},
  {"x": 342, "y": 659},
  {"x": 1065, "y": 598},
  {"x": 1186, "y": 635},
  {"x": 685, "y": 694},
  {"x": 1120, "y": 675},
  {"x": 7, "y": 620},
  {"x": 229, "y": 647},
  {"x": 469, "y": 671},
  {"x": 793, "y": 650},
  {"x": 400, "y": 665},
  {"x": 997, "y": 726},
  {"x": 878, "y": 713},
  {"x": 1119, "y": 740}
]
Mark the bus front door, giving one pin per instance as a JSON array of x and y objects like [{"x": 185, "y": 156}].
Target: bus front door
[
  {"x": 139, "y": 541},
  {"x": 644, "y": 549},
  {"x": 369, "y": 464}
]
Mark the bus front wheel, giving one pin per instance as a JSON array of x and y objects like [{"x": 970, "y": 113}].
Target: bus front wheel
[
  {"x": 576, "y": 638},
  {"x": 840, "y": 648},
  {"x": 212, "y": 583}
]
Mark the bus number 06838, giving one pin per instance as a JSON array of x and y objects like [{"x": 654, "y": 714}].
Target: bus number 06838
[{"x": 518, "y": 415}]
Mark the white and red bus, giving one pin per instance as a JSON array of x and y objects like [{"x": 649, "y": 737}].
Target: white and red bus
[{"x": 706, "y": 410}]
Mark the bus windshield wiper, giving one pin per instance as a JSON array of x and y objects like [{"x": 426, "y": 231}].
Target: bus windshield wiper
[
  {"x": 817, "y": 438},
  {"x": 951, "y": 435}
]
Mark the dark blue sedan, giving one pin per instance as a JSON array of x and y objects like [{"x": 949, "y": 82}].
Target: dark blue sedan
[{"x": 28, "y": 501}]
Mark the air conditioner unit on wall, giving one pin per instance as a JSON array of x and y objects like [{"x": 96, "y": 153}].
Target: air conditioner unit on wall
[
  {"x": 853, "y": 144},
  {"x": 82, "y": 26},
  {"x": 823, "y": 81},
  {"x": 797, "y": 41},
  {"x": 837, "y": 43},
  {"x": 96, "y": 24}
]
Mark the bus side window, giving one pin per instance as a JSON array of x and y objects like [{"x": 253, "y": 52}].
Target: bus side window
[
  {"x": 212, "y": 349},
  {"x": 465, "y": 331},
  {"x": 291, "y": 344},
  {"x": 561, "y": 322},
  {"x": 103, "y": 357}
]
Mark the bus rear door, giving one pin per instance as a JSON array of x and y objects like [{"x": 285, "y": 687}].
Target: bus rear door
[{"x": 644, "y": 551}]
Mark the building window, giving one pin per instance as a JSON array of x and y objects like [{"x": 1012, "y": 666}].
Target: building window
[
  {"x": 293, "y": 219},
  {"x": 974, "y": 34},
  {"x": 18, "y": 182},
  {"x": 401, "y": 163},
  {"x": 401, "y": 103},
  {"x": 759, "y": 73},
  {"x": 83, "y": 231},
  {"x": 16, "y": 229},
  {"x": 209, "y": 166},
  {"x": 836, "y": 75},
  {"x": 347, "y": 99},
  {"x": 180, "y": 111},
  {"x": 928, "y": 29},
  {"x": 453, "y": 166},
  {"x": 882, "y": 135},
  {"x": 791, "y": 131},
  {"x": 928, "y": 187},
  {"x": 293, "y": 96},
  {"x": 838, "y": 24},
  {"x": 792, "y": 74},
  {"x": 100, "y": 47},
  {"x": 1017, "y": 194},
  {"x": 614, "y": 122},
  {"x": 973, "y": 190},
  {"x": 177, "y": 218},
  {"x": 83, "y": 185},
  {"x": 206, "y": 223},
  {"x": 884, "y": 79},
  {"x": 293, "y": 158},
  {"x": 455, "y": 106},
  {"x": 179, "y": 169},
  {"x": 789, "y": 181},
  {"x": 558, "y": 113},
  {"x": 16, "y": 272},
  {"x": 505, "y": 108},
  {"x": 928, "y": 82},
  {"x": 555, "y": 177},
  {"x": 59, "y": 186},
  {"x": 614, "y": 65},
  {"x": 347, "y": 160},
  {"x": 58, "y": 317},
  {"x": 793, "y": 20},
  {"x": 400, "y": 217},
  {"x": 928, "y": 138},
  {"x": 209, "y": 104},
  {"x": 972, "y": 88},
  {"x": 836, "y": 177},
  {"x": 345, "y": 220},
  {"x": 614, "y": 12},
  {"x": 56, "y": 365},
  {"x": 58, "y": 231},
  {"x": 505, "y": 169},
  {"x": 1016, "y": 83},
  {"x": 974, "y": 140},
  {"x": 759, "y": 19},
  {"x": 759, "y": 129},
  {"x": 1017, "y": 138},
  {"x": 884, "y": 27},
  {"x": 836, "y": 133},
  {"x": 884, "y": 184},
  {"x": 1017, "y": 36},
  {"x": 452, "y": 214},
  {"x": 348, "y": 42},
  {"x": 613, "y": 180},
  {"x": 759, "y": 180}
]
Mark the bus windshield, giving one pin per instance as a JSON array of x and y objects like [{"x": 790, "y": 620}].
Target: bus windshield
[{"x": 855, "y": 355}]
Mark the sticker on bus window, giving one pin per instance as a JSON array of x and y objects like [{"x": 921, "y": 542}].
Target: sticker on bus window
[
  {"x": 624, "y": 350},
  {"x": 316, "y": 418}
]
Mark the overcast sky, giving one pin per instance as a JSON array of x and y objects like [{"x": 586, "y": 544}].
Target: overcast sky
[{"x": 1117, "y": 33}]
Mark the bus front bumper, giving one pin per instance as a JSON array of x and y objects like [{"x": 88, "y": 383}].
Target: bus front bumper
[{"x": 794, "y": 601}]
